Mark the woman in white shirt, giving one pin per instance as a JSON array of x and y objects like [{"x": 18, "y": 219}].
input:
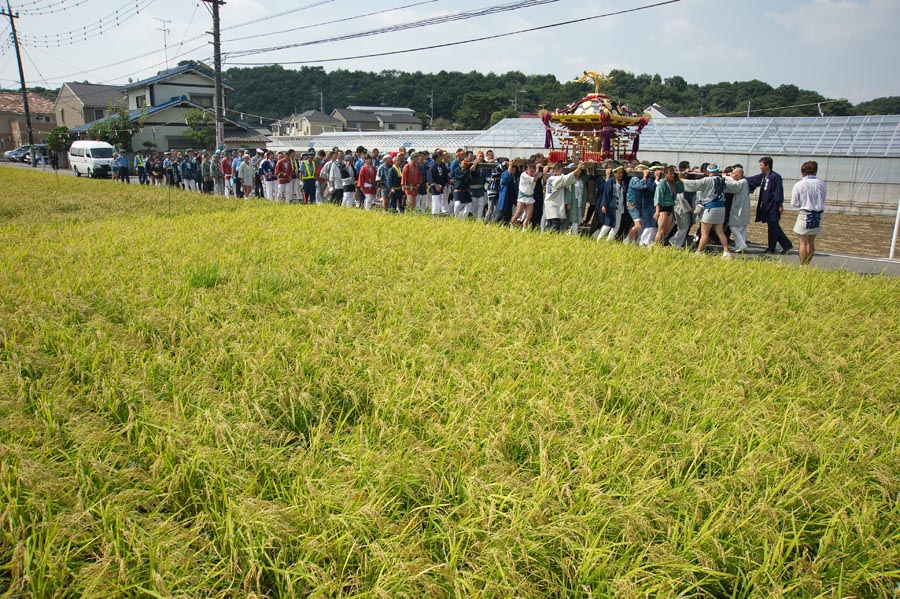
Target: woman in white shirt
[
  {"x": 245, "y": 174},
  {"x": 809, "y": 196}
]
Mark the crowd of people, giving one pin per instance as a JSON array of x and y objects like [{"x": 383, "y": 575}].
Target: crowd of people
[{"x": 642, "y": 203}]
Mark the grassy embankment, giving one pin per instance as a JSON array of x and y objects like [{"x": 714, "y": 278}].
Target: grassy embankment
[{"x": 251, "y": 400}]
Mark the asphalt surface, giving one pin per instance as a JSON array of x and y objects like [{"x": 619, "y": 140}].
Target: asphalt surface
[{"x": 822, "y": 260}]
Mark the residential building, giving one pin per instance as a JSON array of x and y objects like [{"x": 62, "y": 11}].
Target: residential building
[
  {"x": 658, "y": 111},
  {"x": 164, "y": 101},
  {"x": 13, "y": 129},
  {"x": 391, "y": 118},
  {"x": 353, "y": 120},
  {"x": 80, "y": 103},
  {"x": 311, "y": 122}
]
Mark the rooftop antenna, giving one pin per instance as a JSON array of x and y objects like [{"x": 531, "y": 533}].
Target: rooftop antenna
[{"x": 165, "y": 31}]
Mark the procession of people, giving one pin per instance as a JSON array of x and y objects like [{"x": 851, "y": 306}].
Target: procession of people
[{"x": 641, "y": 203}]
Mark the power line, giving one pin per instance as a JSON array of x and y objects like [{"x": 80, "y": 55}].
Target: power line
[
  {"x": 437, "y": 20},
  {"x": 52, "y": 8},
  {"x": 91, "y": 30},
  {"x": 469, "y": 41},
  {"x": 279, "y": 14},
  {"x": 322, "y": 23}
]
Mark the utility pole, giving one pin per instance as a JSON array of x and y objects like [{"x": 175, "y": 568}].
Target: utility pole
[
  {"x": 219, "y": 99},
  {"x": 165, "y": 31},
  {"x": 431, "y": 97},
  {"x": 321, "y": 95},
  {"x": 748, "y": 108},
  {"x": 12, "y": 26}
]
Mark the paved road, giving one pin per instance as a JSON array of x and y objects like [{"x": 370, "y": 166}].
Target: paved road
[{"x": 822, "y": 260}]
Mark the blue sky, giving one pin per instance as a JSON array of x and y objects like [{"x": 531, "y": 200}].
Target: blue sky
[{"x": 842, "y": 48}]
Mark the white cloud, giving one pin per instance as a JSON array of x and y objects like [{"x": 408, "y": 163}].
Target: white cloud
[{"x": 829, "y": 22}]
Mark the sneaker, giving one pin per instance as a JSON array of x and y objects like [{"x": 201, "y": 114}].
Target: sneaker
[{"x": 726, "y": 256}]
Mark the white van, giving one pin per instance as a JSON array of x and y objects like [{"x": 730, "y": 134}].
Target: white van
[{"x": 91, "y": 158}]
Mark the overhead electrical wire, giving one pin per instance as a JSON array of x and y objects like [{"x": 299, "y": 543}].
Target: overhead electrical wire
[
  {"x": 468, "y": 41},
  {"x": 51, "y": 9},
  {"x": 436, "y": 20},
  {"x": 322, "y": 23},
  {"x": 89, "y": 31},
  {"x": 64, "y": 77}
]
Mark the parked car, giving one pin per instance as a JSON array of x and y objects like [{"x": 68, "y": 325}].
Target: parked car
[
  {"x": 39, "y": 150},
  {"x": 18, "y": 155},
  {"x": 91, "y": 158}
]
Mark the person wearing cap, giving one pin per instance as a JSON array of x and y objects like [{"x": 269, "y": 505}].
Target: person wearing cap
[
  {"x": 808, "y": 196},
  {"x": 438, "y": 176},
  {"x": 410, "y": 180},
  {"x": 284, "y": 175},
  {"x": 381, "y": 181},
  {"x": 711, "y": 199},
  {"x": 215, "y": 167},
  {"x": 611, "y": 203},
  {"x": 525, "y": 200},
  {"x": 739, "y": 218},
  {"x": 556, "y": 203},
  {"x": 236, "y": 160},
  {"x": 770, "y": 204}
]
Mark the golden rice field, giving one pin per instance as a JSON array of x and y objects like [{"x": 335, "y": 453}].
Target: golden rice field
[{"x": 214, "y": 398}]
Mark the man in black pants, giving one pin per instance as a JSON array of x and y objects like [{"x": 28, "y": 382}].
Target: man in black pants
[{"x": 770, "y": 204}]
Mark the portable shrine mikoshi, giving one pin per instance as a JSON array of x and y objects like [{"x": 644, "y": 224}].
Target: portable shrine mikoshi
[{"x": 593, "y": 129}]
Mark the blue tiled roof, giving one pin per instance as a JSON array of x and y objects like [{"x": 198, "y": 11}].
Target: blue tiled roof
[{"x": 134, "y": 115}]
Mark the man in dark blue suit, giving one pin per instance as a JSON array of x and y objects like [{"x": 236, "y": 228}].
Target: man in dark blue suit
[{"x": 770, "y": 204}]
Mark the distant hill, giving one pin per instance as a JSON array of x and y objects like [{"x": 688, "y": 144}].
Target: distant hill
[
  {"x": 470, "y": 99},
  {"x": 50, "y": 94}
]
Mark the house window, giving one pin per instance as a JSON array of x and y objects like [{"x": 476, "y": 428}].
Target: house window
[
  {"x": 62, "y": 115},
  {"x": 140, "y": 101},
  {"x": 99, "y": 113},
  {"x": 392, "y": 126},
  {"x": 202, "y": 100}
]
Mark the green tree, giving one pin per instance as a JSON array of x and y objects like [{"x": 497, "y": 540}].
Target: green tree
[
  {"x": 117, "y": 128},
  {"x": 476, "y": 110},
  {"x": 59, "y": 140},
  {"x": 442, "y": 123},
  {"x": 499, "y": 115},
  {"x": 201, "y": 128}
]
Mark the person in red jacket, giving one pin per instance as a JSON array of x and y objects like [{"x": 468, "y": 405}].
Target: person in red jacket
[
  {"x": 284, "y": 171},
  {"x": 411, "y": 179},
  {"x": 366, "y": 182},
  {"x": 227, "y": 172}
]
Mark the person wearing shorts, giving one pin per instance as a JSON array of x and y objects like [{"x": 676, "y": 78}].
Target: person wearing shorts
[
  {"x": 711, "y": 197},
  {"x": 636, "y": 187},
  {"x": 667, "y": 191},
  {"x": 808, "y": 195},
  {"x": 525, "y": 202}
]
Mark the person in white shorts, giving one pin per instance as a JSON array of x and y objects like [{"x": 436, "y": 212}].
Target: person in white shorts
[
  {"x": 525, "y": 202},
  {"x": 809, "y": 196}
]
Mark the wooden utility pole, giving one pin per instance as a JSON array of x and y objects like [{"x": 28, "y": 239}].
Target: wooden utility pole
[
  {"x": 219, "y": 98},
  {"x": 12, "y": 25}
]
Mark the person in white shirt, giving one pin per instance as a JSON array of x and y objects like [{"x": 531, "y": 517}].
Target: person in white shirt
[
  {"x": 739, "y": 219},
  {"x": 555, "y": 207},
  {"x": 711, "y": 200},
  {"x": 525, "y": 202},
  {"x": 809, "y": 196}
]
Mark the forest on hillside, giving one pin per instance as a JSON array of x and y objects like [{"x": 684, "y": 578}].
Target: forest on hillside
[{"x": 476, "y": 100}]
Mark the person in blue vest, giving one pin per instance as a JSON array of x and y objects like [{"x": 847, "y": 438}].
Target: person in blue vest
[
  {"x": 770, "y": 205},
  {"x": 236, "y": 162},
  {"x": 121, "y": 163},
  {"x": 634, "y": 200}
]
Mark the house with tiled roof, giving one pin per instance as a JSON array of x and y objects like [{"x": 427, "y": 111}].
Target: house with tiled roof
[
  {"x": 13, "y": 130},
  {"x": 80, "y": 103},
  {"x": 164, "y": 101}
]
